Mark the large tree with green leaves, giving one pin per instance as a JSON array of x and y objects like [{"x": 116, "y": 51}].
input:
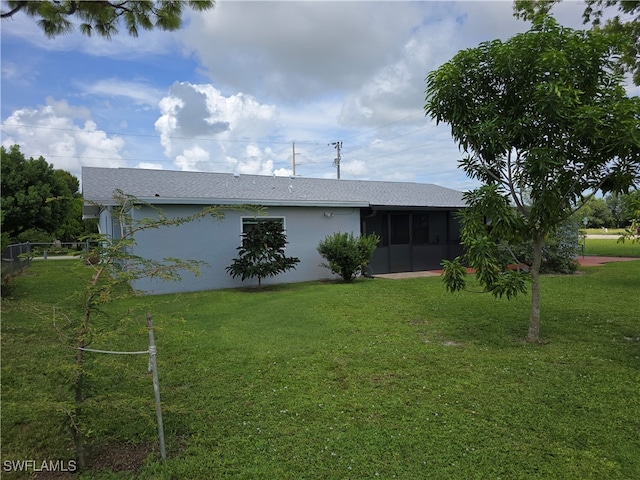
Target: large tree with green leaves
[
  {"x": 619, "y": 18},
  {"x": 104, "y": 18},
  {"x": 544, "y": 122},
  {"x": 35, "y": 196}
]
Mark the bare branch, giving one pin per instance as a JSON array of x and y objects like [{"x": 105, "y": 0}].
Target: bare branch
[{"x": 15, "y": 10}]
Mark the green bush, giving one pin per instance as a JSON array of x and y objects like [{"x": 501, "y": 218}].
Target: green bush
[
  {"x": 559, "y": 251},
  {"x": 347, "y": 255},
  {"x": 7, "y": 285}
]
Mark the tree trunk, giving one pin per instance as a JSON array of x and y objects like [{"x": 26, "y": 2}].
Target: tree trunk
[
  {"x": 534, "y": 318},
  {"x": 76, "y": 424}
]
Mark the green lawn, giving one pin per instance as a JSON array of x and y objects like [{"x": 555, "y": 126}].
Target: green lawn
[
  {"x": 377, "y": 379},
  {"x": 610, "y": 247},
  {"x": 608, "y": 231}
]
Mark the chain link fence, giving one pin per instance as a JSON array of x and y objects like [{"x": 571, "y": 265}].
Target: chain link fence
[{"x": 15, "y": 258}]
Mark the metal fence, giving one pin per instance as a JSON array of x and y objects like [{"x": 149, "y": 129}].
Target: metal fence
[
  {"x": 18, "y": 256},
  {"x": 15, "y": 258}
]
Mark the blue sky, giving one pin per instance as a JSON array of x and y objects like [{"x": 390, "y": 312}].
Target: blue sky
[{"x": 237, "y": 85}]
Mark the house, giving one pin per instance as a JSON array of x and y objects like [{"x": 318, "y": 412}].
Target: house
[{"x": 415, "y": 221}]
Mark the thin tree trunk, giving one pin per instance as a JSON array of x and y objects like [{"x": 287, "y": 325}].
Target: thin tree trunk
[
  {"x": 76, "y": 421},
  {"x": 534, "y": 319},
  {"x": 78, "y": 434}
]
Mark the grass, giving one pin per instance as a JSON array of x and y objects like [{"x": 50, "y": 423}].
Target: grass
[
  {"x": 611, "y": 248},
  {"x": 608, "y": 231},
  {"x": 377, "y": 379}
]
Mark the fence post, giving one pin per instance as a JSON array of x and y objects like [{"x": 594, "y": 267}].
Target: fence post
[{"x": 153, "y": 368}]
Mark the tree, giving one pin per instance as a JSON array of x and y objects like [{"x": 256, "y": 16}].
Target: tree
[
  {"x": 544, "y": 123},
  {"x": 597, "y": 213},
  {"x": 623, "y": 26},
  {"x": 35, "y": 196},
  {"x": 347, "y": 255},
  {"x": 105, "y": 18},
  {"x": 262, "y": 253},
  {"x": 632, "y": 209},
  {"x": 615, "y": 204},
  {"x": 113, "y": 274}
]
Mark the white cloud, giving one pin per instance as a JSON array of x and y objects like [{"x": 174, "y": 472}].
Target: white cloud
[
  {"x": 150, "y": 166},
  {"x": 201, "y": 129},
  {"x": 10, "y": 71},
  {"x": 52, "y": 131},
  {"x": 141, "y": 93},
  {"x": 294, "y": 50},
  {"x": 270, "y": 73},
  {"x": 192, "y": 159}
]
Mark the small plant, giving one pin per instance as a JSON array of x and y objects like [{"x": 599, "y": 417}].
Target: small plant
[
  {"x": 8, "y": 286},
  {"x": 348, "y": 255},
  {"x": 115, "y": 267},
  {"x": 261, "y": 254}
]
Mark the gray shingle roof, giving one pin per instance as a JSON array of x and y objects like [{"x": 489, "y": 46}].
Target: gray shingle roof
[{"x": 169, "y": 187}]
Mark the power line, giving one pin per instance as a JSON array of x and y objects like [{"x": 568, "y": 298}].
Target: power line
[
  {"x": 172, "y": 137},
  {"x": 309, "y": 155},
  {"x": 386, "y": 125}
]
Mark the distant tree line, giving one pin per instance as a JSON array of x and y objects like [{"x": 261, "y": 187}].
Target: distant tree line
[
  {"x": 38, "y": 202},
  {"x": 611, "y": 211}
]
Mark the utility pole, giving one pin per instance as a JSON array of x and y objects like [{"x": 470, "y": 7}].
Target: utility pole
[
  {"x": 293, "y": 158},
  {"x": 336, "y": 161}
]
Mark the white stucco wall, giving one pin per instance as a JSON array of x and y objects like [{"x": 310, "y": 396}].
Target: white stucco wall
[{"x": 215, "y": 243}]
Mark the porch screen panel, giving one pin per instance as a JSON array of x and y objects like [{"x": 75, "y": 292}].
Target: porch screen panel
[
  {"x": 399, "y": 231},
  {"x": 400, "y": 242},
  {"x": 420, "y": 228},
  {"x": 379, "y": 224},
  {"x": 437, "y": 228}
]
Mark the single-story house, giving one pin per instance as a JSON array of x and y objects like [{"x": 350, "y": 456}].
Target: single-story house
[{"x": 415, "y": 221}]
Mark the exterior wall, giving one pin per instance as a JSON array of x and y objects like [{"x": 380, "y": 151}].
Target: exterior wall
[{"x": 215, "y": 243}]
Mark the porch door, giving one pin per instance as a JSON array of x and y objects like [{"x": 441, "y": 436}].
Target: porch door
[
  {"x": 378, "y": 223},
  {"x": 400, "y": 242}
]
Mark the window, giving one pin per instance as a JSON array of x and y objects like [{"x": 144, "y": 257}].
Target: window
[{"x": 249, "y": 222}]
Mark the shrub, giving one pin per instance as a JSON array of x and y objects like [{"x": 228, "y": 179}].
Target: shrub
[
  {"x": 559, "y": 251},
  {"x": 7, "y": 285},
  {"x": 347, "y": 255}
]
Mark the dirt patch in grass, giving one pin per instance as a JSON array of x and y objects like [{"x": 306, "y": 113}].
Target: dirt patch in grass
[
  {"x": 121, "y": 457},
  {"x": 111, "y": 458}
]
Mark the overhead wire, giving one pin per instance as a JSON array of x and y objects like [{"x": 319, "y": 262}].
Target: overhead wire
[{"x": 316, "y": 144}]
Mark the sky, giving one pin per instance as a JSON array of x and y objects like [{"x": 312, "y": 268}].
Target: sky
[{"x": 238, "y": 85}]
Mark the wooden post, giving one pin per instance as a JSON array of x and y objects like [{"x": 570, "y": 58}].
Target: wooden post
[{"x": 153, "y": 368}]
